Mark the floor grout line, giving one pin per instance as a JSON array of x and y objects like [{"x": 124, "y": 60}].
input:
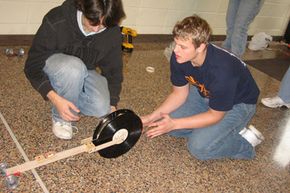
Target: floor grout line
[{"x": 19, "y": 147}]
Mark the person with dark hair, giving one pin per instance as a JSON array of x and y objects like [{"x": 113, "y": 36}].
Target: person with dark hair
[
  {"x": 213, "y": 98},
  {"x": 73, "y": 40}
]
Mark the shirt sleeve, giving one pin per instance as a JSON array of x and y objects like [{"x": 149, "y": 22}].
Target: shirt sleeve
[
  {"x": 177, "y": 77},
  {"x": 112, "y": 68},
  {"x": 42, "y": 47}
]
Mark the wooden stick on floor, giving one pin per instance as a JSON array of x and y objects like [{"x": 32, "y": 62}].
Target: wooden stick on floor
[{"x": 44, "y": 160}]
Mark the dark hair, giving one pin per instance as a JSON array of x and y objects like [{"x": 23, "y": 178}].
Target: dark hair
[
  {"x": 193, "y": 27},
  {"x": 94, "y": 10}
]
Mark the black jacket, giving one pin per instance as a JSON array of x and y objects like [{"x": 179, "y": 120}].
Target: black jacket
[{"x": 59, "y": 33}]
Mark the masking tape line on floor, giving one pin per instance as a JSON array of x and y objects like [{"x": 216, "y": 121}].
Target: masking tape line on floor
[{"x": 19, "y": 147}]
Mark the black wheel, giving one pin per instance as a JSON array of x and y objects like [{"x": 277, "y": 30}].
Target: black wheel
[{"x": 110, "y": 124}]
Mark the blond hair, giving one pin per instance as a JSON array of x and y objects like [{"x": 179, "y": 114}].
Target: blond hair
[{"x": 193, "y": 27}]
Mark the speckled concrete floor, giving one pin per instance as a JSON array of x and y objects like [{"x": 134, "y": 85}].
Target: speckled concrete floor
[{"x": 159, "y": 165}]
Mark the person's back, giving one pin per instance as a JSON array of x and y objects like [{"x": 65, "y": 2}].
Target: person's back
[
  {"x": 230, "y": 75},
  {"x": 225, "y": 77}
]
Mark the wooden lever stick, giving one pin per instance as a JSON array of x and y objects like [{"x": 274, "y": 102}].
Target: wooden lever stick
[
  {"x": 43, "y": 161},
  {"x": 88, "y": 147}
]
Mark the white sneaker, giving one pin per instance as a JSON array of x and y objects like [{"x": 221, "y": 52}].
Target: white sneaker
[
  {"x": 62, "y": 130},
  {"x": 274, "y": 102},
  {"x": 252, "y": 135}
]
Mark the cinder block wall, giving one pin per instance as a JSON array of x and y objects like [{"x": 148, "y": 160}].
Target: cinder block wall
[{"x": 23, "y": 17}]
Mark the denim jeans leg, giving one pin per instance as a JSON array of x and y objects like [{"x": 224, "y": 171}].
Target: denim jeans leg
[
  {"x": 232, "y": 10},
  {"x": 95, "y": 97},
  {"x": 223, "y": 139},
  {"x": 66, "y": 74},
  {"x": 194, "y": 104},
  {"x": 284, "y": 92},
  {"x": 247, "y": 11}
]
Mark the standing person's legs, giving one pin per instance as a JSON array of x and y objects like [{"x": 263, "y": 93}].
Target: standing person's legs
[
  {"x": 284, "y": 92},
  {"x": 247, "y": 11},
  {"x": 283, "y": 96},
  {"x": 232, "y": 10}
]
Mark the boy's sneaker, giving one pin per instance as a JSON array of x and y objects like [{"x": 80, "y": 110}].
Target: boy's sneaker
[
  {"x": 274, "y": 102},
  {"x": 62, "y": 130},
  {"x": 252, "y": 135}
]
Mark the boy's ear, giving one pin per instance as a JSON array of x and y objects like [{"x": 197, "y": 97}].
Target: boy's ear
[{"x": 201, "y": 48}]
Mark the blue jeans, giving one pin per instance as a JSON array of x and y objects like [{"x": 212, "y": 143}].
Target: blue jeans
[
  {"x": 220, "y": 140},
  {"x": 240, "y": 14},
  {"x": 86, "y": 89},
  {"x": 284, "y": 92}
]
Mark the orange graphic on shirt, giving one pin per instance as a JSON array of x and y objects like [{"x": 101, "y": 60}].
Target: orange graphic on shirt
[{"x": 199, "y": 86}]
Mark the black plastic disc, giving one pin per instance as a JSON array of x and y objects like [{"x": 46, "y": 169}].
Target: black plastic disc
[{"x": 110, "y": 124}]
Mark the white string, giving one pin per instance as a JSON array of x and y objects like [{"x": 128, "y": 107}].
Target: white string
[{"x": 19, "y": 147}]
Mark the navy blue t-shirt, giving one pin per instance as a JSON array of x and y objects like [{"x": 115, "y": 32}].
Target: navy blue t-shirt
[{"x": 223, "y": 78}]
